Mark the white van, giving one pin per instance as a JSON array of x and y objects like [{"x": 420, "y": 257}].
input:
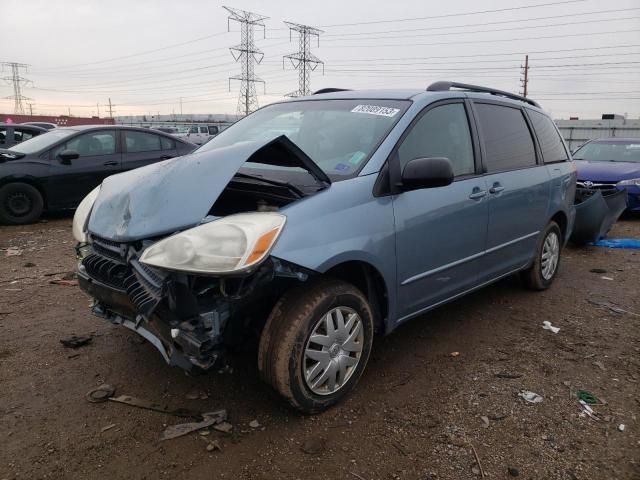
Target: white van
[{"x": 199, "y": 134}]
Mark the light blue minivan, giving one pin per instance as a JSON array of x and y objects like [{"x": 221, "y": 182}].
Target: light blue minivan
[{"x": 317, "y": 222}]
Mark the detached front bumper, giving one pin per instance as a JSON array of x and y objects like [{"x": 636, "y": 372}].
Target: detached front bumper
[{"x": 185, "y": 328}]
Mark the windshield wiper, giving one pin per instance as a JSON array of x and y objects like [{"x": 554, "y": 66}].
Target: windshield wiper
[{"x": 295, "y": 190}]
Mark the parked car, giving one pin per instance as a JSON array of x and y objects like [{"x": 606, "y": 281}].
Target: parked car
[
  {"x": 57, "y": 169},
  {"x": 12, "y": 134},
  {"x": 45, "y": 125},
  {"x": 198, "y": 134},
  {"x": 611, "y": 163},
  {"x": 379, "y": 207}
]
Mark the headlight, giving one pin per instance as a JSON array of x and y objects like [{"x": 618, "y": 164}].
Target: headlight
[
  {"x": 632, "y": 182},
  {"x": 82, "y": 215},
  {"x": 230, "y": 244}
]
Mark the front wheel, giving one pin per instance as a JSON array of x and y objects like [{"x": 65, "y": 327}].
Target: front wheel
[
  {"x": 316, "y": 344},
  {"x": 20, "y": 203},
  {"x": 547, "y": 259}
]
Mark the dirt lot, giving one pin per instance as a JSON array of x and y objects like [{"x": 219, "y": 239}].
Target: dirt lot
[{"x": 418, "y": 413}]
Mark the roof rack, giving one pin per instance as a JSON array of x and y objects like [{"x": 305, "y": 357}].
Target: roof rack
[
  {"x": 446, "y": 86},
  {"x": 330, "y": 90}
]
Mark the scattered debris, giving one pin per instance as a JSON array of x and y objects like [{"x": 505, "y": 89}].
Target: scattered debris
[
  {"x": 475, "y": 454},
  {"x": 224, "y": 427},
  {"x": 73, "y": 355},
  {"x": 606, "y": 278},
  {"x": 586, "y": 409},
  {"x": 108, "y": 427},
  {"x": 314, "y": 445},
  {"x": 196, "y": 395},
  {"x": 357, "y": 476},
  {"x": 66, "y": 283},
  {"x": 29, "y": 265},
  {"x": 101, "y": 393},
  {"x": 621, "y": 427},
  {"x": 140, "y": 403},
  {"x": 599, "y": 364},
  {"x": 530, "y": 397},
  {"x": 13, "y": 252},
  {"x": 209, "y": 418},
  {"x": 475, "y": 470},
  {"x": 75, "y": 341},
  {"x": 632, "y": 243},
  {"x": 514, "y": 472},
  {"x": 508, "y": 375},
  {"x": 454, "y": 354},
  {"x": 612, "y": 307},
  {"x": 254, "y": 424},
  {"x": 598, "y": 270},
  {"x": 214, "y": 445},
  {"x": 586, "y": 397},
  {"x": 546, "y": 325},
  {"x": 485, "y": 421}
]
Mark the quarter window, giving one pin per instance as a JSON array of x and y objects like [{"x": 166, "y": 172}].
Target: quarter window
[
  {"x": 441, "y": 132},
  {"x": 507, "y": 139},
  {"x": 167, "y": 143},
  {"x": 141, "y": 142},
  {"x": 550, "y": 141}
]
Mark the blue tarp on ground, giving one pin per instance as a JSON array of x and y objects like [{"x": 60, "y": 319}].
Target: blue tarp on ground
[{"x": 618, "y": 243}]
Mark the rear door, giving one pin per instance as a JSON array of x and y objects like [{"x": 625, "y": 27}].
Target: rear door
[
  {"x": 518, "y": 185},
  {"x": 99, "y": 157},
  {"x": 142, "y": 148},
  {"x": 440, "y": 232}
]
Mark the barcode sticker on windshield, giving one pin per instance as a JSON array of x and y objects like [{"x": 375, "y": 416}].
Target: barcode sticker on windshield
[{"x": 376, "y": 110}]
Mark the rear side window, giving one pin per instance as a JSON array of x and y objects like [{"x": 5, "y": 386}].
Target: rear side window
[
  {"x": 441, "y": 132},
  {"x": 101, "y": 142},
  {"x": 142, "y": 142},
  {"x": 507, "y": 139},
  {"x": 213, "y": 130},
  {"x": 550, "y": 142}
]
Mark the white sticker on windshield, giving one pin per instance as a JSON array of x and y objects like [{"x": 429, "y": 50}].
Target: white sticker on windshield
[{"x": 376, "y": 110}]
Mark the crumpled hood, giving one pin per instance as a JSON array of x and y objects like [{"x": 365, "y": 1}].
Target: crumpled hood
[
  {"x": 177, "y": 194},
  {"x": 607, "y": 171}
]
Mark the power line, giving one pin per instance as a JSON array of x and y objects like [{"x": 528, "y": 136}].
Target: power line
[
  {"x": 17, "y": 81},
  {"x": 246, "y": 54},
  {"x": 303, "y": 60}
]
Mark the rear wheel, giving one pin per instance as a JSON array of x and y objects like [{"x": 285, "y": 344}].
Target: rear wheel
[
  {"x": 547, "y": 259},
  {"x": 316, "y": 344},
  {"x": 20, "y": 203}
]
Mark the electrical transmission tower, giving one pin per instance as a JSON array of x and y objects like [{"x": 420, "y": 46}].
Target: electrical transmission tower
[
  {"x": 248, "y": 56},
  {"x": 18, "y": 81},
  {"x": 524, "y": 81},
  {"x": 303, "y": 60}
]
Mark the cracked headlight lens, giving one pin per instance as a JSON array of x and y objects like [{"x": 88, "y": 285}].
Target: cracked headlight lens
[
  {"x": 82, "y": 215},
  {"x": 230, "y": 244}
]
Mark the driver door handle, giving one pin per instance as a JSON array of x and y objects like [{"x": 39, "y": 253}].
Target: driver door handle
[
  {"x": 477, "y": 193},
  {"x": 497, "y": 188},
  {"x": 110, "y": 163}
]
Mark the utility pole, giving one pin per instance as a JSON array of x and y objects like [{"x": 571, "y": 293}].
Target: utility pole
[
  {"x": 247, "y": 55},
  {"x": 180, "y": 106},
  {"x": 30, "y": 105},
  {"x": 98, "y": 109},
  {"x": 110, "y": 108},
  {"x": 18, "y": 81},
  {"x": 303, "y": 60},
  {"x": 524, "y": 82}
]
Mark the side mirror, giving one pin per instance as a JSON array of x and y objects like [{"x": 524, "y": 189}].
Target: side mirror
[
  {"x": 66, "y": 156},
  {"x": 427, "y": 173}
]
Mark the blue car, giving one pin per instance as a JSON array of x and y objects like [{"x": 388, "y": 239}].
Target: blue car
[
  {"x": 357, "y": 212},
  {"x": 611, "y": 162}
]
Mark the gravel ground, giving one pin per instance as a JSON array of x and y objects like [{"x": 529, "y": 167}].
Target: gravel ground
[{"x": 439, "y": 399}]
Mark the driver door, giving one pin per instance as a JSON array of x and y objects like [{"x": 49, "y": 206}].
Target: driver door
[{"x": 99, "y": 157}]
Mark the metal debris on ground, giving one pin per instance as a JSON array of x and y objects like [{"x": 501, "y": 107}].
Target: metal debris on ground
[
  {"x": 75, "y": 341},
  {"x": 101, "y": 393},
  {"x": 156, "y": 407},
  {"x": 530, "y": 397},
  {"x": 214, "y": 445},
  {"x": 587, "y": 397},
  {"x": 606, "y": 278},
  {"x": 614, "y": 308},
  {"x": 66, "y": 283},
  {"x": 224, "y": 427},
  {"x": 454, "y": 354},
  {"x": 586, "y": 409},
  {"x": 108, "y": 427},
  {"x": 621, "y": 427},
  {"x": 209, "y": 419},
  {"x": 254, "y": 424},
  {"x": 599, "y": 364},
  {"x": 196, "y": 395},
  {"x": 508, "y": 375},
  {"x": 13, "y": 252},
  {"x": 598, "y": 270},
  {"x": 546, "y": 325}
]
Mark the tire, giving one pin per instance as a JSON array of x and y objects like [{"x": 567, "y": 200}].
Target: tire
[
  {"x": 20, "y": 203},
  {"x": 540, "y": 275},
  {"x": 287, "y": 354}
]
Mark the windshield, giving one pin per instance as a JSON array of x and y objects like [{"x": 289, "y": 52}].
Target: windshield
[
  {"x": 36, "y": 144},
  {"x": 609, "y": 152},
  {"x": 338, "y": 135}
]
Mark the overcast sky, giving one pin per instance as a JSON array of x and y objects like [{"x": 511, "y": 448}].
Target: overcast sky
[{"x": 146, "y": 54}]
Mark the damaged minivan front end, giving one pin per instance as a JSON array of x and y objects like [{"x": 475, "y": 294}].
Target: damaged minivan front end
[{"x": 179, "y": 272}]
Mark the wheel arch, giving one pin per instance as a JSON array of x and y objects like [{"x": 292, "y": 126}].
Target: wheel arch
[{"x": 563, "y": 222}]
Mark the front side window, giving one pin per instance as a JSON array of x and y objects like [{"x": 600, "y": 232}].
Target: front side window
[
  {"x": 441, "y": 132},
  {"x": 41, "y": 142},
  {"x": 213, "y": 130},
  {"x": 507, "y": 138},
  {"x": 204, "y": 130},
  {"x": 102, "y": 142},
  {"x": 610, "y": 151},
  {"x": 550, "y": 141},
  {"x": 141, "y": 142},
  {"x": 338, "y": 135},
  {"x": 22, "y": 135}
]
